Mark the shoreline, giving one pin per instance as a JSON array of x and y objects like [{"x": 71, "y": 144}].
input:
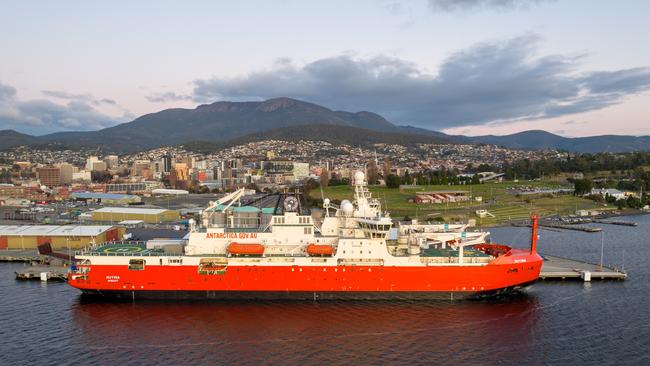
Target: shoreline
[{"x": 605, "y": 216}]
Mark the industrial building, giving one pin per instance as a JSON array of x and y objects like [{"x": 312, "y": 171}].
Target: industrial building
[
  {"x": 441, "y": 196},
  {"x": 169, "y": 192},
  {"x": 148, "y": 215},
  {"x": 59, "y": 237},
  {"x": 110, "y": 198}
]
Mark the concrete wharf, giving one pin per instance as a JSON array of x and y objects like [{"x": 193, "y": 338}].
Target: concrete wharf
[
  {"x": 558, "y": 268},
  {"x": 19, "y": 256},
  {"x": 553, "y": 268}
]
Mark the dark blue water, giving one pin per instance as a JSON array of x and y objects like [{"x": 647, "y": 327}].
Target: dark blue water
[{"x": 555, "y": 323}]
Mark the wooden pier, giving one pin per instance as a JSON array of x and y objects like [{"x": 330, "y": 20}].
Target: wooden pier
[{"x": 558, "y": 268}]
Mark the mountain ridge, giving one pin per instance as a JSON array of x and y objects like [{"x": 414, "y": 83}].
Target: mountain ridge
[{"x": 223, "y": 121}]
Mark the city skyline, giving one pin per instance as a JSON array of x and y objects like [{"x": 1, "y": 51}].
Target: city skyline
[{"x": 468, "y": 67}]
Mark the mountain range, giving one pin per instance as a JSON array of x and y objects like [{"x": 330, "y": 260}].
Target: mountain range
[{"x": 226, "y": 123}]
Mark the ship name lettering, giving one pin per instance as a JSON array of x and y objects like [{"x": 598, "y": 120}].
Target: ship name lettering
[
  {"x": 112, "y": 278},
  {"x": 231, "y": 235}
]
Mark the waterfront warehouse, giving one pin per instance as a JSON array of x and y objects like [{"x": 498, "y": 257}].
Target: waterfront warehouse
[
  {"x": 148, "y": 215},
  {"x": 59, "y": 237}
]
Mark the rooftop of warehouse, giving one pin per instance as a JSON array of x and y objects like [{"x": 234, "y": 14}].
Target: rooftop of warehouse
[
  {"x": 110, "y": 196},
  {"x": 53, "y": 230},
  {"x": 132, "y": 210}
]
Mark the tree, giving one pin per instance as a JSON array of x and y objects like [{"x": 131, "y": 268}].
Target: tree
[
  {"x": 392, "y": 181},
  {"x": 633, "y": 202},
  {"x": 373, "y": 173},
  {"x": 324, "y": 178},
  {"x": 100, "y": 176},
  {"x": 582, "y": 187},
  {"x": 387, "y": 167},
  {"x": 476, "y": 179}
]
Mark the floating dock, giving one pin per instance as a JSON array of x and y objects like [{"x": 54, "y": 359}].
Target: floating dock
[
  {"x": 560, "y": 227},
  {"x": 570, "y": 227},
  {"x": 558, "y": 268},
  {"x": 622, "y": 223},
  {"x": 43, "y": 273}
]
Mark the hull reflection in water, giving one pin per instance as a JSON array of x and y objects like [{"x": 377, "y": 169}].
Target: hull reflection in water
[{"x": 315, "y": 333}]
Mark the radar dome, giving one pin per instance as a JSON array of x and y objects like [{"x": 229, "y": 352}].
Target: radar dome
[
  {"x": 359, "y": 177},
  {"x": 347, "y": 207},
  {"x": 326, "y": 201}
]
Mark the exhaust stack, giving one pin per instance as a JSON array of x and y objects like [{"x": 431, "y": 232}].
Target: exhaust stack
[{"x": 533, "y": 239}]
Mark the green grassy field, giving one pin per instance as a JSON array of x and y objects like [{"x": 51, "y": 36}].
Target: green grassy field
[{"x": 495, "y": 198}]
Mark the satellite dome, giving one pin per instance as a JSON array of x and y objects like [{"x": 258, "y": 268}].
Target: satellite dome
[
  {"x": 347, "y": 207},
  {"x": 326, "y": 201},
  {"x": 359, "y": 177}
]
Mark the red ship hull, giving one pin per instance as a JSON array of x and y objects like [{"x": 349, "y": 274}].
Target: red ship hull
[{"x": 514, "y": 271}]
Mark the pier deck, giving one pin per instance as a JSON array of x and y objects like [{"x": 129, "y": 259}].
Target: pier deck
[{"x": 558, "y": 268}]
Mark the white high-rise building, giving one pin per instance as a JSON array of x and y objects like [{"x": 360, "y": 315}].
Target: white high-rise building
[
  {"x": 112, "y": 161},
  {"x": 90, "y": 162}
]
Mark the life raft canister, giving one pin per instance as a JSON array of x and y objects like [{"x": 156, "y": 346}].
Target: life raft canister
[
  {"x": 246, "y": 249},
  {"x": 315, "y": 249}
]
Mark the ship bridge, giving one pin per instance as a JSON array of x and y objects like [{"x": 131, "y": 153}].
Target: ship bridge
[{"x": 375, "y": 228}]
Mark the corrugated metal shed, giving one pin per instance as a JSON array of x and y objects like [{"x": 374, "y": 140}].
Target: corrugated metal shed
[
  {"x": 53, "y": 230},
  {"x": 132, "y": 210}
]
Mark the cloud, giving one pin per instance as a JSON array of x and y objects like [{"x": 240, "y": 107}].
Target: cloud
[
  {"x": 6, "y": 92},
  {"x": 167, "y": 97},
  {"x": 41, "y": 116},
  {"x": 574, "y": 123},
  {"x": 65, "y": 95},
  {"x": 78, "y": 97},
  {"x": 107, "y": 101},
  {"x": 496, "y": 82},
  {"x": 472, "y": 5}
]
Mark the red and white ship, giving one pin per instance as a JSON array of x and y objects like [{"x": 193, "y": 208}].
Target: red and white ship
[{"x": 242, "y": 252}]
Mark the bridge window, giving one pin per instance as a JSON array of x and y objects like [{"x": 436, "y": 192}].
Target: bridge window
[{"x": 136, "y": 264}]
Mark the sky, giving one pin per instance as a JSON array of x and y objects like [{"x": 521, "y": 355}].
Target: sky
[{"x": 472, "y": 67}]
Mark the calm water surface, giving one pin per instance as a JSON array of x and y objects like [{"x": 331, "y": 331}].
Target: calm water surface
[{"x": 555, "y": 323}]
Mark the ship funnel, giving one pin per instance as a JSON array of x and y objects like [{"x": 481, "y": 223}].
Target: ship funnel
[{"x": 533, "y": 238}]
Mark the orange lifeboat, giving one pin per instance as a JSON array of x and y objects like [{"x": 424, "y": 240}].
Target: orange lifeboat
[
  {"x": 323, "y": 250},
  {"x": 245, "y": 249}
]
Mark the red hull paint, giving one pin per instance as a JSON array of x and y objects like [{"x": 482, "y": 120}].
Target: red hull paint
[{"x": 504, "y": 272}]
